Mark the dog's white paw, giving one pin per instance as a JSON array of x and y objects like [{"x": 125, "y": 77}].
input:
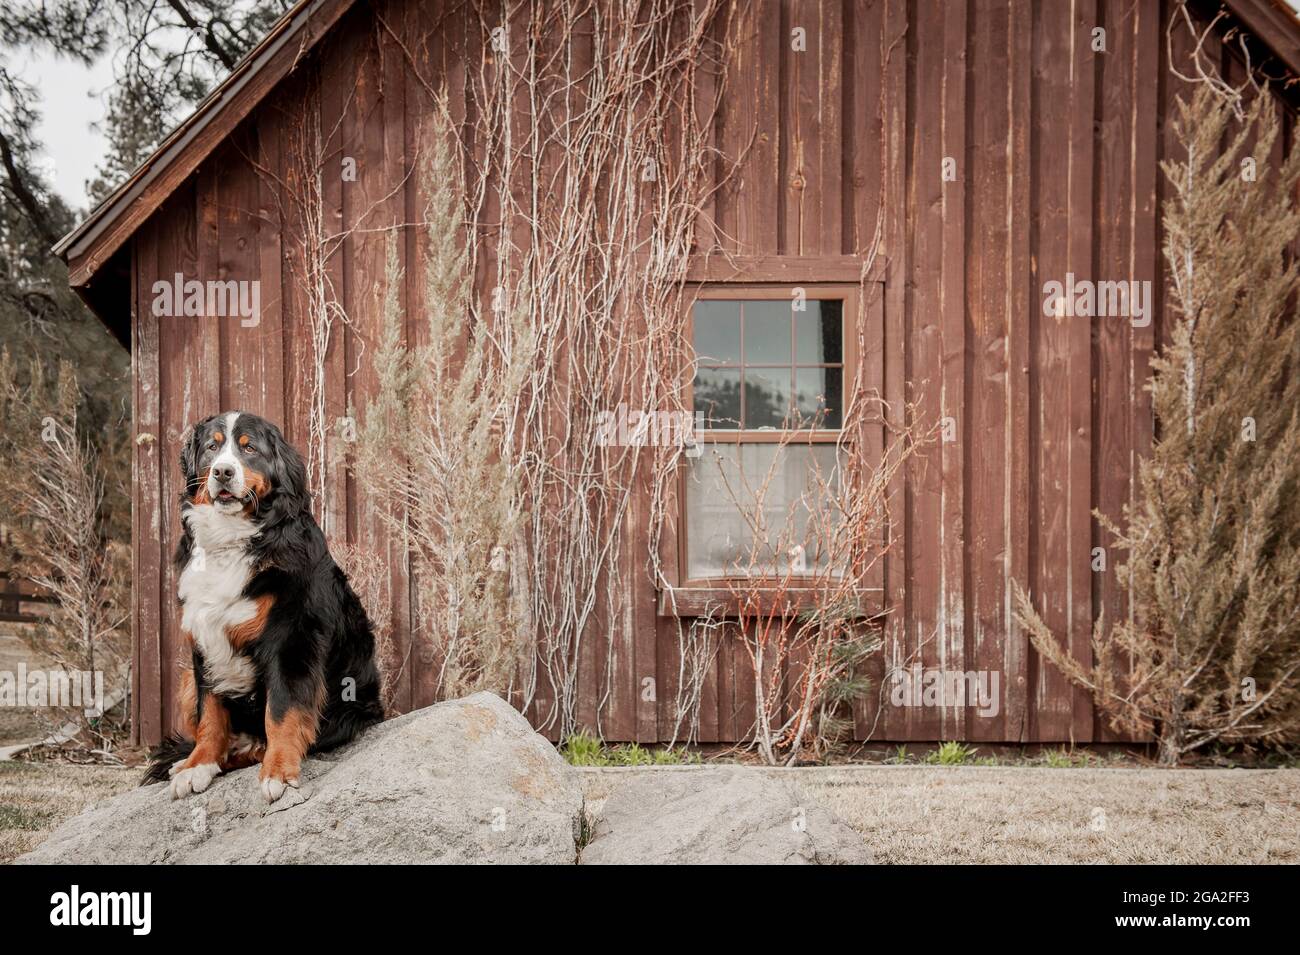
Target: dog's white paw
[
  {"x": 193, "y": 780},
  {"x": 175, "y": 768},
  {"x": 273, "y": 789}
]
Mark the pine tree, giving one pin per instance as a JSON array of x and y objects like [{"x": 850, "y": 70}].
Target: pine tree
[{"x": 1211, "y": 649}]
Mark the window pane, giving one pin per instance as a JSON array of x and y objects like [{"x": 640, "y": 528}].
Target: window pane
[
  {"x": 767, "y": 397},
  {"x": 818, "y": 334},
  {"x": 767, "y": 333},
  {"x": 818, "y": 396},
  {"x": 775, "y": 487},
  {"x": 717, "y": 332},
  {"x": 717, "y": 395}
]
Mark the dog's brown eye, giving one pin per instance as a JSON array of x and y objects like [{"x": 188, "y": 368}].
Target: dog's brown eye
[{"x": 249, "y": 449}]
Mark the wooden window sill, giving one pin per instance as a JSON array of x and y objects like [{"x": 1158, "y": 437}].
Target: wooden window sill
[{"x": 703, "y": 601}]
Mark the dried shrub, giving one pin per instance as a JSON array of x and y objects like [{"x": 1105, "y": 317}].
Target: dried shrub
[
  {"x": 52, "y": 492},
  {"x": 430, "y": 444},
  {"x": 1211, "y": 648}
]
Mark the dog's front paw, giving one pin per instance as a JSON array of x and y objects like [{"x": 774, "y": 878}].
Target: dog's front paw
[
  {"x": 274, "y": 787},
  {"x": 193, "y": 780}
]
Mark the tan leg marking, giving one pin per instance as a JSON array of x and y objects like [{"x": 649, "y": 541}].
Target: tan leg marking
[
  {"x": 287, "y": 741},
  {"x": 187, "y": 701},
  {"x": 211, "y": 744}
]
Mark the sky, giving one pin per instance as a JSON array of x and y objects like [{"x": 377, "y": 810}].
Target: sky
[{"x": 74, "y": 103}]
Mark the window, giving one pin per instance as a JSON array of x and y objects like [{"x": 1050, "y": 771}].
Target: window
[
  {"x": 769, "y": 388},
  {"x": 763, "y": 365}
]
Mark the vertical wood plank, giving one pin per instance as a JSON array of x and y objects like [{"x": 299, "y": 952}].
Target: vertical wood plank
[
  {"x": 1063, "y": 70},
  {"x": 865, "y": 154},
  {"x": 399, "y": 208},
  {"x": 1114, "y": 406},
  {"x": 928, "y": 636},
  {"x": 752, "y": 122},
  {"x": 895, "y": 45},
  {"x": 744, "y": 699},
  {"x": 337, "y": 91},
  {"x": 1020, "y": 323},
  {"x": 374, "y": 133},
  {"x": 719, "y": 696},
  {"x": 952, "y": 348},
  {"x": 868, "y": 718},
  {"x": 299, "y": 99},
  {"x": 189, "y": 357},
  {"x": 641, "y": 596},
  {"x": 1079, "y": 370},
  {"x": 245, "y": 382},
  {"x": 811, "y": 150},
  {"x": 708, "y": 115},
  {"x": 429, "y": 36},
  {"x": 148, "y": 551},
  {"x": 270, "y": 261},
  {"x": 988, "y": 267},
  {"x": 828, "y": 239}
]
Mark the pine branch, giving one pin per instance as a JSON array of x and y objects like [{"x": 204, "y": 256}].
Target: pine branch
[
  {"x": 31, "y": 206},
  {"x": 204, "y": 32}
]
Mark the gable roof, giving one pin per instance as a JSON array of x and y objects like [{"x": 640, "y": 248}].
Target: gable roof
[
  {"x": 105, "y": 230},
  {"x": 1276, "y": 24},
  {"x": 92, "y": 243}
]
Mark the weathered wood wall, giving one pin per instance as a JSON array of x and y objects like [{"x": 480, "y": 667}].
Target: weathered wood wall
[{"x": 1056, "y": 150}]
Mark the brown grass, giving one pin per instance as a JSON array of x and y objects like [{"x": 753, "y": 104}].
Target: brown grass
[
  {"x": 1025, "y": 815},
  {"x": 19, "y": 724},
  {"x": 996, "y": 815},
  {"x": 36, "y": 797}
]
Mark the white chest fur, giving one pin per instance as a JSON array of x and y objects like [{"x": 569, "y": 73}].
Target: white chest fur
[{"x": 210, "y": 593}]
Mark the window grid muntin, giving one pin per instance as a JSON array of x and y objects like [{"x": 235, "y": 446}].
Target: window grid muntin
[{"x": 838, "y": 297}]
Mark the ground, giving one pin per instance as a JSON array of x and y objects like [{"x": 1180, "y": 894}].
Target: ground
[
  {"x": 17, "y": 724},
  {"x": 1026, "y": 815},
  {"x": 978, "y": 814},
  {"x": 906, "y": 814},
  {"x": 36, "y": 797}
]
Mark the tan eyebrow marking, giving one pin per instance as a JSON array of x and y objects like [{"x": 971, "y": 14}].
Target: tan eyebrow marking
[
  {"x": 218, "y": 437},
  {"x": 243, "y": 440}
]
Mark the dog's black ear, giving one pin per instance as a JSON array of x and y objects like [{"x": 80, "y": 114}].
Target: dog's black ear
[
  {"x": 289, "y": 472},
  {"x": 191, "y": 451}
]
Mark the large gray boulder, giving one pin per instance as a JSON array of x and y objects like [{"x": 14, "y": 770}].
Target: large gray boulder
[
  {"x": 712, "y": 816},
  {"x": 460, "y": 782}
]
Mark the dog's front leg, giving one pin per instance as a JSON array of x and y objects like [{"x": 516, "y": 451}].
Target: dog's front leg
[
  {"x": 211, "y": 743},
  {"x": 292, "y": 717}
]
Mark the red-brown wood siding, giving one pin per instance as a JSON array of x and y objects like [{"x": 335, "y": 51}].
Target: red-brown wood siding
[{"x": 1056, "y": 151}]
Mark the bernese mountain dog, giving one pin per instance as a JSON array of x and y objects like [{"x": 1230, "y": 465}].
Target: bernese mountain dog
[{"x": 283, "y": 655}]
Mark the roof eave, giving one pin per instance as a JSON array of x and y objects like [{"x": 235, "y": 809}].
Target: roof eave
[
  {"x": 1274, "y": 24},
  {"x": 94, "y": 241}
]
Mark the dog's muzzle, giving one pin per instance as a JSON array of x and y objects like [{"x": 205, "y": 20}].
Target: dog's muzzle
[{"x": 226, "y": 484}]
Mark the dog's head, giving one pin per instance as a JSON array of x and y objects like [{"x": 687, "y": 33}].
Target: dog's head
[{"x": 241, "y": 464}]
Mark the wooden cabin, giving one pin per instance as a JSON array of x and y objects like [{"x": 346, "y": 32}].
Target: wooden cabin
[{"x": 921, "y": 170}]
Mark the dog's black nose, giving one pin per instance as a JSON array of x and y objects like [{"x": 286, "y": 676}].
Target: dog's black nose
[{"x": 224, "y": 472}]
